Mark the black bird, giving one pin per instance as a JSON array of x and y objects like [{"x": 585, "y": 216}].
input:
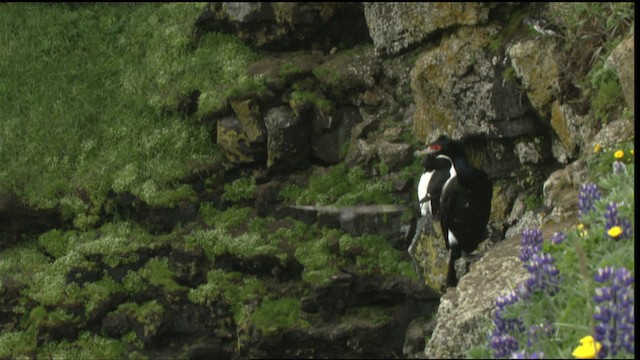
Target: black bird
[
  {"x": 437, "y": 170},
  {"x": 465, "y": 203}
]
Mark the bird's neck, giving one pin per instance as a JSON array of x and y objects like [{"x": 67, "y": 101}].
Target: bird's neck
[{"x": 464, "y": 170}]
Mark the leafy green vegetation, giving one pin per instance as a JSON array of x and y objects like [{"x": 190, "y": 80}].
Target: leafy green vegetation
[
  {"x": 90, "y": 96},
  {"x": 240, "y": 189},
  {"x": 587, "y": 247},
  {"x": 341, "y": 186},
  {"x": 274, "y": 315},
  {"x": 591, "y": 31}
]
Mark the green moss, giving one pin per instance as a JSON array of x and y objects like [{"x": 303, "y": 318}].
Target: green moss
[
  {"x": 157, "y": 272},
  {"x": 377, "y": 315},
  {"x": 218, "y": 241},
  {"x": 301, "y": 97},
  {"x": 319, "y": 264},
  {"x": 276, "y": 315},
  {"x": 607, "y": 97},
  {"x": 39, "y": 317},
  {"x": 238, "y": 290},
  {"x": 243, "y": 188},
  {"x": 147, "y": 314},
  {"x": 95, "y": 294},
  {"x": 87, "y": 346},
  {"x": 341, "y": 186},
  {"x": 228, "y": 219},
  {"x": 16, "y": 344}
]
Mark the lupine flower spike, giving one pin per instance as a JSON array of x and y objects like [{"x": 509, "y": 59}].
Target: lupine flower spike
[
  {"x": 588, "y": 195},
  {"x": 614, "y": 313}
]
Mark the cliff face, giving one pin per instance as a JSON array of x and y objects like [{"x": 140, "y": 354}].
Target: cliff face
[{"x": 360, "y": 86}]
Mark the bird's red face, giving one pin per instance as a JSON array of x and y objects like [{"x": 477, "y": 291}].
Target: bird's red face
[{"x": 433, "y": 148}]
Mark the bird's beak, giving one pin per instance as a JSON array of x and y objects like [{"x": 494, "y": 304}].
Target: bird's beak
[{"x": 423, "y": 152}]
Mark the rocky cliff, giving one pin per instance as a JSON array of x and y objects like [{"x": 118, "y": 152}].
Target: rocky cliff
[{"x": 360, "y": 85}]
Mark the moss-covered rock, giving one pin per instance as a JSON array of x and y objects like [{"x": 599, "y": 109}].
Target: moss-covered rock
[
  {"x": 537, "y": 64},
  {"x": 289, "y": 135},
  {"x": 394, "y": 27},
  {"x": 459, "y": 90}
]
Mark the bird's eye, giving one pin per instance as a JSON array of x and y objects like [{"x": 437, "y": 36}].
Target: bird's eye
[{"x": 435, "y": 147}]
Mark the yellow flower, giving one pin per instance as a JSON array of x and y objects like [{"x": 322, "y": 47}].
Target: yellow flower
[
  {"x": 588, "y": 348},
  {"x": 615, "y": 232},
  {"x": 618, "y": 154},
  {"x": 581, "y": 230},
  {"x": 596, "y": 148}
]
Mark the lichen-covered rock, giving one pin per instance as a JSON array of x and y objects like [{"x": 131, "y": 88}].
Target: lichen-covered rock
[
  {"x": 569, "y": 127},
  {"x": 288, "y": 25},
  {"x": 537, "y": 64},
  {"x": 461, "y": 92},
  {"x": 464, "y": 312},
  {"x": 432, "y": 255},
  {"x": 331, "y": 133},
  {"x": 396, "y": 26},
  {"x": 288, "y": 145},
  {"x": 233, "y": 141},
  {"x": 613, "y": 133},
  {"x": 348, "y": 74},
  {"x": 622, "y": 61},
  {"x": 560, "y": 190}
]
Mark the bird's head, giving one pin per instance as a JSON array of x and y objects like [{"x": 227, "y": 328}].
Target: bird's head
[{"x": 445, "y": 146}]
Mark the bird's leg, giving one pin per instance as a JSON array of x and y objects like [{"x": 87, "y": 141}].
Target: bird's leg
[{"x": 452, "y": 279}]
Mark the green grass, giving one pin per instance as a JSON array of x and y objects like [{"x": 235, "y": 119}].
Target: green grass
[
  {"x": 89, "y": 98},
  {"x": 584, "y": 251},
  {"x": 341, "y": 186}
]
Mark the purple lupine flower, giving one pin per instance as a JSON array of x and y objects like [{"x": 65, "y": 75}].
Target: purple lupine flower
[
  {"x": 614, "y": 312},
  {"x": 525, "y": 355},
  {"x": 588, "y": 195},
  {"x": 558, "y": 237},
  {"x": 531, "y": 243},
  {"x": 619, "y": 167},
  {"x": 611, "y": 215},
  {"x": 612, "y": 219},
  {"x": 504, "y": 345},
  {"x": 544, "y": 274},
  {"x": 502, "y": 339},
  {"x": 536, "y": 332}
]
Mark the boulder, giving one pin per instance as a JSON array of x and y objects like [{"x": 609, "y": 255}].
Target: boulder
[
  {"x": 464, "y": 312},
  {"x": 569, "y": 127},
  {"x": 460, "y": 91},
  {"x": 288, "y": 25},
  {"x": 233, "y": 141},
  {"x": 242, "y": 137},
  {"x": 432, "y": 255},
  {"x": 348, "y": 74},
  {"x": 622, "y": 61},
  {"x": 537, "y": 64},
  {"x": 331, "y": 133},
  {"x": 288, "y": 145},
  {"x": 398, "y": 26}
]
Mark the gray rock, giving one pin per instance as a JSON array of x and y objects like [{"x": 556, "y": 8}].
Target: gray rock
[
  {"x": 397, "y": 26},
  {"x": 288, "y": 25},
  {"x": 537, "y": 64},
  {"x": 463, "y": 318},
  {"x": 288, "y": 144},
  {"x": 459, "y": 91},
  {"x": 622, "y": 61},
  {"x": 332, "y": 133},
  {"x": 569, "y": 127}
]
